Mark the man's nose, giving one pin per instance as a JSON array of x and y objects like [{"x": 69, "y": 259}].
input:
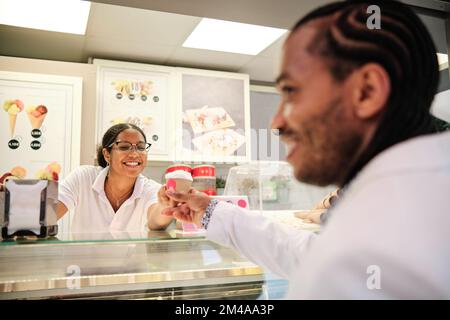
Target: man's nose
[{"x": 278, "y": 120}]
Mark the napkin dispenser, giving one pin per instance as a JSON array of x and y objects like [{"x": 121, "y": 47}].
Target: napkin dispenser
[{"x": 28, "y": 208}]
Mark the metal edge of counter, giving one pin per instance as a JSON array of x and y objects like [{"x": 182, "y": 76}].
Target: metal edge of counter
[{"x": 153, "y": 279}]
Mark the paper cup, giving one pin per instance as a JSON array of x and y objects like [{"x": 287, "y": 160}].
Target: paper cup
[{"x": 180, "y": 185}]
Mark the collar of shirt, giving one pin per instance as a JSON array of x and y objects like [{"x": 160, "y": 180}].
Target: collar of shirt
[
  {"x": 416, "y": 154},
  {"x": 99, "y": 185}
]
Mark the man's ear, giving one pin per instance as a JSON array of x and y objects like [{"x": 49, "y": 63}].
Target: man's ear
[
  {"x": 371, "y": 88},
  {"x": 106, "y": 155}
]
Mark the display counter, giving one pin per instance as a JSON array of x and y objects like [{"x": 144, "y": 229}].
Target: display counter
[
  {"x": 155, "y": 265},
  {"x": 168, "y": 264}
]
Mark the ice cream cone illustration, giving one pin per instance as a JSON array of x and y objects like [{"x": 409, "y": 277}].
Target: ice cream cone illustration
[
  {"x": 12, "y": 123},
  {"x": 13, "y": 107},
  {"x": 123, "y": 86},
  {"x": 15, "y": 173},
  {"x": 145, "y": 87},
  {"x": 19, "y": 172},
  {"x": 36, "y": 115},
  {"x": 51, "y": 172}
]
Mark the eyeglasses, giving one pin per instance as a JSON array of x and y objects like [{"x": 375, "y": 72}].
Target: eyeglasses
[{"x": 125, "y": 146}]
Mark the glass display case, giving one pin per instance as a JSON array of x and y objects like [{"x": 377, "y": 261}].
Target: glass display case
[
  {"x": 271, "y": 185},
  {"x": 273, "y": 191},
  {"x": 154, "y": 265}
]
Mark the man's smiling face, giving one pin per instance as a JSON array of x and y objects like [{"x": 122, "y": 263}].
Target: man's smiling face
[{"x": 315, "y": 115}]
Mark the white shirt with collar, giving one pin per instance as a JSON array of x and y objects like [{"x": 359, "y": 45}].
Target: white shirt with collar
[
  {"x": 82, "y": 192},
  {"x": 388, "y": 237}
]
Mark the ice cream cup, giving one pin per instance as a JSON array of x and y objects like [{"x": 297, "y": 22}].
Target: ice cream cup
[
  {"x": 182, "y": 185},
  {"x": 179, "y": 180}
]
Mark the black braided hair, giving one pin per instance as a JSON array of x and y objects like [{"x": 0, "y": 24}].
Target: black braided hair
[
  {"x": 110, "y": 136},
  {"x": 402, "y": 46}
]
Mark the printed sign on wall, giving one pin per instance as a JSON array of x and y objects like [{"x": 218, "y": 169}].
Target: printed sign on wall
[
  {"x": 137, "y": 96},
  {"x": 216, "y": 116},
  {"x": 36, "y": 123}
]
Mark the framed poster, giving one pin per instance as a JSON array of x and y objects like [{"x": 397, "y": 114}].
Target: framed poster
[
  {"x": 215, "y": 116},
  {"x": 140, "y": 94},
  {"x": 40, "y": 125}
]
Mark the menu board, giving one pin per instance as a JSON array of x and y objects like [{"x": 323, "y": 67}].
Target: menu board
[
  {"x": 131, "y": 93},
  {"x": 39, "y": 124},
  {"x": 216, "y": 116}
]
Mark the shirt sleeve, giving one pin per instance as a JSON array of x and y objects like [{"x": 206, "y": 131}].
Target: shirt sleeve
[
  {"x": 270, "y": 244},
  {"x": 151, "y": 194},
  {"x": 69, "y": 189}
]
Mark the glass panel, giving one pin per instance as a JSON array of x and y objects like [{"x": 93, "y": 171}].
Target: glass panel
[
  {"x": 42, "y": 269},
  {"x": 108, "y": 237}
]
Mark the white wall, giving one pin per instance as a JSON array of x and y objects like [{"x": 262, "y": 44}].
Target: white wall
[{"x": 441, "y": 105}]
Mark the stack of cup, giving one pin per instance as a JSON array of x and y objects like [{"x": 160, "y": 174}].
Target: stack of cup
[{"x": 205, "y": 179}]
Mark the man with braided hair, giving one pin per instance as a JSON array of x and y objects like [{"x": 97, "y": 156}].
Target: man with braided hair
[{"x": 355, "y": 114}]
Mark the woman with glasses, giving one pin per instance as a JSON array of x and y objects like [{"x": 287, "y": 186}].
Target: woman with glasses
[{"x": 115, "y": 196}]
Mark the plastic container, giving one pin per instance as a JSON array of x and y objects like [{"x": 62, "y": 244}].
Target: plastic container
[
  {"x": 204, "y": 171},
  {"x": 205, "y": 184}
]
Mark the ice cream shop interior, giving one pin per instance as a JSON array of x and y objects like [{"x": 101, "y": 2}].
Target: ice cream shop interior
[{"x": 109, "y": 105}]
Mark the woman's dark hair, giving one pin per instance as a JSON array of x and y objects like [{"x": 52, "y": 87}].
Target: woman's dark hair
[
  {"x": 402, "y": 46},
  {"x": 110, "y": 137}
]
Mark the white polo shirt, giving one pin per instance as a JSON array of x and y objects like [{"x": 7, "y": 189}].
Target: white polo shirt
[{"x": 83, "y": 193}]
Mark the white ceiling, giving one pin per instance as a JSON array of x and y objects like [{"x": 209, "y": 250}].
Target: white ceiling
[{"x": 132, "y": 32}]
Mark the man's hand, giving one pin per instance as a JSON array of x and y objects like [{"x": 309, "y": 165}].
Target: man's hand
[{"x": 190, "y": 206}]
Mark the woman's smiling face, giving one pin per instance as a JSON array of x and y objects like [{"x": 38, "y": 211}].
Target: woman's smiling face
[{"x": 127, "y": 163}]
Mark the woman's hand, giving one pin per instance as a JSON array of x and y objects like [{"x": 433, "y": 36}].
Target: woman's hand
[
  {"x": 310, "y": 216},
  {"x": 155, "y": 219},
  {"x": 163, "y": 199},
  {"x": 329, "y": 200},
  {"x": 314, "y": 215},
  {"x": 190, "y": 206}
]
